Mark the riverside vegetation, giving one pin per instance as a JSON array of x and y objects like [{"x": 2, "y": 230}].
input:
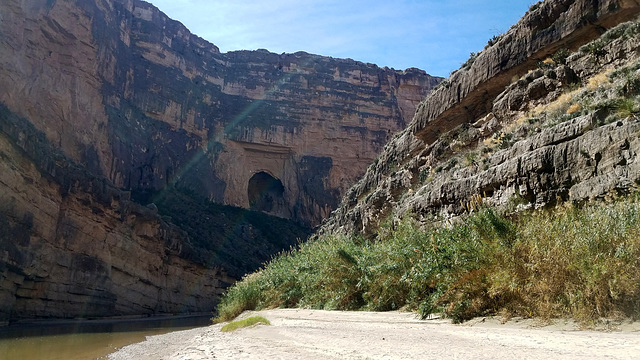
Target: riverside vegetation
[
  {"x": 577, "y": 261},
  {"x": 572, "y": 260}
]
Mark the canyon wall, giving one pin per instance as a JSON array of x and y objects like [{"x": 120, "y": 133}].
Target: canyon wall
[
  {"x": 135, "y": 97},
  {"x": 72, "y": 245},
  {"x": 544, "y": 114},
  {"x": 109, "y": 105}
]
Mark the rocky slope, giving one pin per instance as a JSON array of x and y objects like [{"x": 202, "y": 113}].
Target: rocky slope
[
  {"x": 524, "y": 123},
  {"x": 135, "y": 97}
]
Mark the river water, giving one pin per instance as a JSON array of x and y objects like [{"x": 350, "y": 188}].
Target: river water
[{"x": 82, "y": 340}]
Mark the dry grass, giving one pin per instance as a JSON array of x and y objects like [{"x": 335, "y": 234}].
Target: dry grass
[
  {"x": 574, "y": 108},
  {"x": 600, "y": 80},
  {"x": 558, "y": 106},
  {"x": 254, "y": 320}
]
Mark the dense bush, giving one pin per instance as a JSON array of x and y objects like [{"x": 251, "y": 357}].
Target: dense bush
[{"x": 582, "y": 262}]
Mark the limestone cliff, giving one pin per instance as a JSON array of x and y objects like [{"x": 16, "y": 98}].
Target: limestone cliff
[
  {"x": 72, "y": 245},
  {"x": 135, "y": 97},
  {"x": 537, "y": 117},
  {"x": 109, "y": 104}
]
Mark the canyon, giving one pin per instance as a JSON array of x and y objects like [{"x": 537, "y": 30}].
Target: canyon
[
  {"x": 512, "y": 193},
  {"x": 144, "y": 171},
  {"x": 136, "y": 98}
]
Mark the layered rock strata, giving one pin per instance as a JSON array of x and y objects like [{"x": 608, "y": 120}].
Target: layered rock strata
[
  {"x": 440, "y": 166},
  {"x": 135, "y": 97},
  {"x": 72, "y": 245}
]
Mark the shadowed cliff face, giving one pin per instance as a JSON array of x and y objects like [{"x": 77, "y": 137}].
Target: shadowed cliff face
[
  {"x": 72, "y": 245},
  {"x": 135, "y": 97}
]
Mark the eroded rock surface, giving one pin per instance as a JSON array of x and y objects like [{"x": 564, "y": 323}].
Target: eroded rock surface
[
  {"x": 109, "y": 104},
  {"x": 135, "y": 97},
  {"x": 439, "y": 167}
]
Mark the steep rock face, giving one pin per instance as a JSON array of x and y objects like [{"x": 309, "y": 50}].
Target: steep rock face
[
  {"x": 135, "y": 97},
  {"x": 71, "y": 245},
  {"x": 107, "y": 104},
  {"x": 469, "y": 93},
  {"x": 444, "y": 164}
]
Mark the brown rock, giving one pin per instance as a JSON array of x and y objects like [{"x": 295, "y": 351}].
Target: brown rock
[
  {"x": 70, "y": 254},
  {"x": 547, "y": 165},
  {"x": 134, "y": 96}
]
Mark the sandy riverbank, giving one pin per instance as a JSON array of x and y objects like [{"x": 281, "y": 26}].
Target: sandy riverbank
[{"x": 315, "y": 334}]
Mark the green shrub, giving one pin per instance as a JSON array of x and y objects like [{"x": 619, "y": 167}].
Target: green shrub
[
  {"x": 424, "y": 176},
  {"x": 506, "y": 140},
  {"x": 472, "y": 58},
  {"x": 470, "y": 159},
  {"x": 595, "y": 49},
  {"x": 244, "y": 295},
  {"x": 560, "y": 56},
  {"x": 494, "y": 40},
  {"x": 444, "y": 83},
  {"x": 627, "y": 80},
  {"x": 574, "y": 261}
]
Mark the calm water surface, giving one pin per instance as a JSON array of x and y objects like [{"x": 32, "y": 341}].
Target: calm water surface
[{"x": 84, "y": 339}]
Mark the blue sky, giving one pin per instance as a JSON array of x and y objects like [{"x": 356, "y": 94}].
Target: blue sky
[{"x": 436, "y": 36}]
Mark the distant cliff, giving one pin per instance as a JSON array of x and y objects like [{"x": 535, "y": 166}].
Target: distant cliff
[{"x": 135, "y": 97}]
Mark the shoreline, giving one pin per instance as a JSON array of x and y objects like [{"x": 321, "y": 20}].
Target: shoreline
[
  {"x": 113, "y": 319},
  {"x": 320, "y": 334},
  {"x": 46, "y": 323}
]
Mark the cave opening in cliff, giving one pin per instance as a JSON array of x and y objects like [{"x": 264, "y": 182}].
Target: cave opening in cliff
[{"x": 266, "y": 193}]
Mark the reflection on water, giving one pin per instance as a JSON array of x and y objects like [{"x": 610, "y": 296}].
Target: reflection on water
[{"x": 84, "y": 339}]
